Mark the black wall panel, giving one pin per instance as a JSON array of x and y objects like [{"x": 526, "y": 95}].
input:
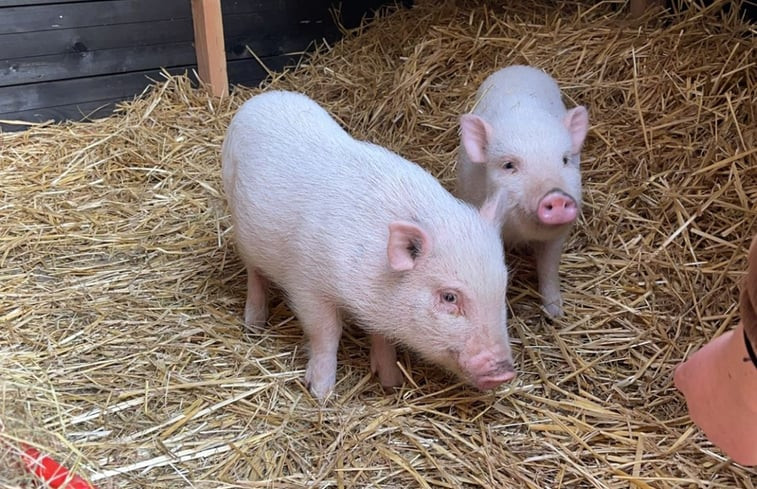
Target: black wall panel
[{"x": 72, "y": 59}]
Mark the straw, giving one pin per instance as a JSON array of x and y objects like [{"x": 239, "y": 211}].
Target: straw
[{"x": 122, "y": 352}]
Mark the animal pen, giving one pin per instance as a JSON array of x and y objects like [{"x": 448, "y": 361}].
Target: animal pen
[{"x": 123, "y": 353}]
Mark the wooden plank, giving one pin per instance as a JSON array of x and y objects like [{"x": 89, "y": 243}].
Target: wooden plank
[
  {"x": 244, "y": 72},
  {"x": 270, "y": 46},
  {"x": 80, "y": 39},
  {"x": 267, "y": 35},
  {"x": 84, "y": 111},
  {"x": 70, "y": 15},
  {"x": 26, "y": 3},
  {"x": 271, "y": 36},
  {"x": 93, "y": 63},
  {"x": 25, "y": 98},
  {"x": 249, "y": 73},
  {"x": 50, "y": 94},
  {"x": 211, "y": 55},
  {"x": 236, "y": 7},
  {"x": 268, "y": 27}
]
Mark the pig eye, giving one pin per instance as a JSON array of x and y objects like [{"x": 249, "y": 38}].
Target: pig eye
[
  {"x": 565, "y": 160},
  {"x": 449, "y": 297},
  {"x": 508, "y": 165}
]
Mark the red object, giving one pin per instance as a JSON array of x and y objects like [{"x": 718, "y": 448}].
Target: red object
[{"x": 51, "y": 472}]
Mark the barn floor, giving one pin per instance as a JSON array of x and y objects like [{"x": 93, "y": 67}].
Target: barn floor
[{"x": 121, "y": 347}]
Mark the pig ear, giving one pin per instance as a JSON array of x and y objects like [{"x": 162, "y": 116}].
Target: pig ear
[
  {"x": 407, "y": 243},
  {"x": 492, "y": 210},
  {"x": 577, "y": 122},
  {"x": 475, "y": 135}
]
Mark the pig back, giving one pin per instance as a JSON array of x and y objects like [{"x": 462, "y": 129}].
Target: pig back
[
  {"x": 309, "y": 201},
  {"x": 518, "y": 87}
]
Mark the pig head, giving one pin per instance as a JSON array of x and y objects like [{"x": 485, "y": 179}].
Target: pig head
[{"x": 534, "y": 158}]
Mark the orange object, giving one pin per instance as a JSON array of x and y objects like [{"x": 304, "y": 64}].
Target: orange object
[
  {"x": 719, "y": 381},
  {"x": 720, "y": 385},
  {"x": 51, "y": 472}
]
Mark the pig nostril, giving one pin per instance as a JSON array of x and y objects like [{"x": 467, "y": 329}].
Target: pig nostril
[{"x": 504, "y": 366}]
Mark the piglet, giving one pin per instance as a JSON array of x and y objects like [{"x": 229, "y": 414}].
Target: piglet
[
  {"x": 520, "y": 141},
  {"x": 351, "y": 230}
]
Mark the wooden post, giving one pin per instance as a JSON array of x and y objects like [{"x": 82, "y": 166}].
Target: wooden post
[{"x": 211, "y": 57}]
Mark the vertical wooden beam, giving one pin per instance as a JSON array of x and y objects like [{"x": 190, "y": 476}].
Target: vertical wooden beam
[{"x": 211, "y": 57}]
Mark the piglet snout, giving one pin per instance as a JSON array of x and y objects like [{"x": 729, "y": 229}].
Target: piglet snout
[
  {"x": 557, "y": 208},
  {"x": 488, "y": 371}
]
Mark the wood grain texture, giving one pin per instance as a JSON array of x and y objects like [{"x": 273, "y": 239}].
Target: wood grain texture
[
  {"x": 96, "y": 97},
  {"x": 71, "y": 15},
  {"x": 209, "y": 45},
  {"x": 93, "y": 63},
  {"x": 64, "y": 58}
]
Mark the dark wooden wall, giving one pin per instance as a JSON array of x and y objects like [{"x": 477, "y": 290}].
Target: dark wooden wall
[{"x": 72, "y": 59}]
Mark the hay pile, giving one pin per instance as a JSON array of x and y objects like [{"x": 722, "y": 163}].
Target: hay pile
[{"x": 121, "y": 295}]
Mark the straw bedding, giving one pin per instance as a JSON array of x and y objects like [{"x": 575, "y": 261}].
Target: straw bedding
[{"x": 121, "y": 295}]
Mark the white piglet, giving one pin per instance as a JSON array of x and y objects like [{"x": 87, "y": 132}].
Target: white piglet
[
  {"x": 522, "y": 143},
  {"x": 349, "y": 229}
]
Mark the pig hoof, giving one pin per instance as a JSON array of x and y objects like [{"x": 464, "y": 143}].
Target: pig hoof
[
  {"x": 553, "y": 310},
  {"x": 254, "y": 320},
  {"x": 254, "y": 326},
  {"x": 319, "y": 391},
  {"x": 384, "y": 363},
  {"x": 390, "y": 377},
  {"x": 319, "y": 385}
]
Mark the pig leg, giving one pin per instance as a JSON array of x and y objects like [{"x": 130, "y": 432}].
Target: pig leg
[
  {"x": 323, "y": 328},
  {"x": 384, "y": 362},
  {"x": 255, "y": 309},
  {"x": 547, "y": 254}
]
